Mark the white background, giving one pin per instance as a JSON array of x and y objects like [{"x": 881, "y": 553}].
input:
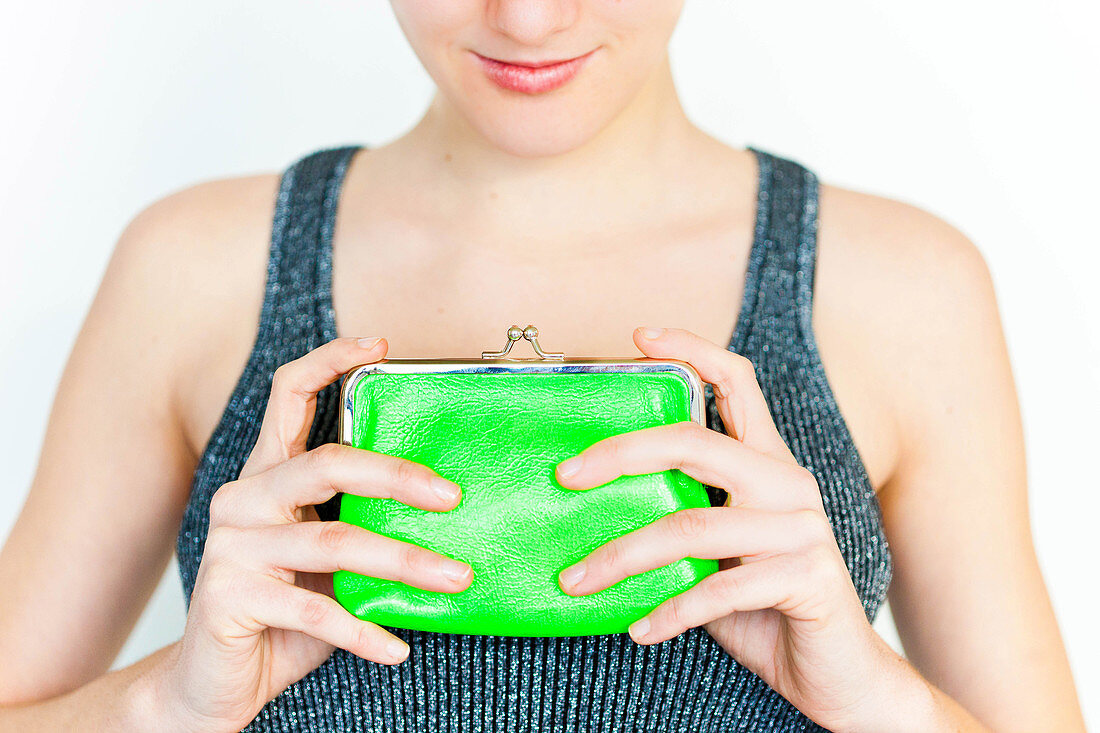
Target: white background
[{"x": 983, "y": 113}]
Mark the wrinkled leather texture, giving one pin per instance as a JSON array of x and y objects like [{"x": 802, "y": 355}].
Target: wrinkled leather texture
[{"x": 499, "y": 436}]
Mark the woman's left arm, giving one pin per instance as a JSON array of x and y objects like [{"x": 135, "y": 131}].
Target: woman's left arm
[
  {"x": 968, "y": 597},
  {"x": 782, "y": 603}
]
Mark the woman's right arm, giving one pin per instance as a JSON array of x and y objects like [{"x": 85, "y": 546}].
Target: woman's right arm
[
  {"x": 97, "y": 528},
  {"x": 99, "y": 523}
]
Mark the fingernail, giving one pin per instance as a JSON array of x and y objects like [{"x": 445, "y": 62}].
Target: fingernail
[
  {"x": 455, "y": 570},
  {"x": 570, "y": 467},
  {"x": 573, "y": 574},
  {"x": 652, "y": 333},
  {"x": 397, "y": 649},
  {"x": 444, "y": 489},
  {"x": 370, "y": 342},
  {"x": 639, "y": 628}
]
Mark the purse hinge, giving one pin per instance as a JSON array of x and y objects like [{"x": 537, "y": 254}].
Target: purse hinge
[{"x": 515, "y": 333}]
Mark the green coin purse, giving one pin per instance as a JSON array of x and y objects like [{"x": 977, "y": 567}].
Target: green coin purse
[{"x": 498, "y": 427}]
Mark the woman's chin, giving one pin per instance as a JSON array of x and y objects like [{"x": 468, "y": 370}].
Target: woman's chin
[
  {"x": 546, "y": 145},
  {"x": 537, "y": 133}
]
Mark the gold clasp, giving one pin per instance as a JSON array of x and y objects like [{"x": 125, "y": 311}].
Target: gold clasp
[{"x": 515, "y": 333}]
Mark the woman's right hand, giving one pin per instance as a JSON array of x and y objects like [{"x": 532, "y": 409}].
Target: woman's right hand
[{"x": 262, "y": 613}]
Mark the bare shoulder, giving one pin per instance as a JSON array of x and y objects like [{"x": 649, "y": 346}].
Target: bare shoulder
[
  {"x": 905, "y": 312},
  {"x": 901, "y": 245},
  {"x": 200, "y": 225},
  {"x": 188, "y": 234},
  {"x": 189, "y": 271}
]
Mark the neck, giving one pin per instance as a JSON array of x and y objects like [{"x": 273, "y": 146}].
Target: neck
[{"x": 628, "y": 163}]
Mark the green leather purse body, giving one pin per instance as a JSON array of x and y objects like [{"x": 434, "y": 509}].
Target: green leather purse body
[{"x": 498, "y": 427}]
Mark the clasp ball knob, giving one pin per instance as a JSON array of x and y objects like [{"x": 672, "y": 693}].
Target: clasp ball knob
[{"x": 515, "y": 333}]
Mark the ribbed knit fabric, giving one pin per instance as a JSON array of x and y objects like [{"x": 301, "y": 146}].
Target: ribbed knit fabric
[{"x": 600, "y": 683}]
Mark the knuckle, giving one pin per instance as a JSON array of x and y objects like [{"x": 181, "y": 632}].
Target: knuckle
[
  {"x": 221, "y": 542},
  {"x": 715, "y": 594},
  {"x": 675, "y": 612},
  {"x": 221, "y": 502},
  {"x": 334, "y": 536},
  {"x": 219, "y": 585},
  {"x": 281, "y": 376},
  {"x": 806, "y": 479},
  {"x": 814, "y": 526},
  {"x": 314, "y": 610},
  {"x": 405, "y": 473},
  {"x": 821, "y": 565},
  {"x": 726, "y": 584},
  {"x": 695, "y": 435},
  {"x": 685, "y": 430},
  {"x": 611, "y": 555},
  {"x": 325, "y": 455},
  {"x": 212, "y": 581},
  {"x": 687, "y": 524},
  {"x": 364, "y": 638},
  {"x": 415, "y": 561},
  {"x": 737, "y": 370},
  {"x": 743, "y": 367},
  {"x": 614, "y": 449}
]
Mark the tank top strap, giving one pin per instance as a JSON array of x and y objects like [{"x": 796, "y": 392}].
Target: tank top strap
[
  {"x": 779, "y": 289},
  {"x": 297, "y": 314}
]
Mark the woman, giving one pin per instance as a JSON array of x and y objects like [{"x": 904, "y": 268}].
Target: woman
[{"x": 545, "y": 195}]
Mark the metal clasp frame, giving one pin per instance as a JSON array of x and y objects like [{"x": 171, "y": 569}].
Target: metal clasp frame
[{"x": 515, "y": 333}]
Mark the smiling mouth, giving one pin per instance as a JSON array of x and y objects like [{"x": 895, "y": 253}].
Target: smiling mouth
[{"x": 532, "y": 77}]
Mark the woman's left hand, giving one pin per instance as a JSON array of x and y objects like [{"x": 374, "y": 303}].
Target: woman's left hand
[{"x": 782, "y": 602}]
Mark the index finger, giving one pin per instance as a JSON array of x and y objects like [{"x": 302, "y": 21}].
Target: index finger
[
  {"x": 293, "y": 400},
  {"x": 741, "y": 404},
  {"x": 748, "y": 476}
]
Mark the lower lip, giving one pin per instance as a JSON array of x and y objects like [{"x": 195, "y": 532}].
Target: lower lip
[{"x": 532, "y": 80}]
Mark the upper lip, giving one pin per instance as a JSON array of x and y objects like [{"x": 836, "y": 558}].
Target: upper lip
[{"x": 532, "y": 64}]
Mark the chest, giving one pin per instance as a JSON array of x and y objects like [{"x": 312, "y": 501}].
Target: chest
[
  {"x": 434, "y": 295},
  {"x": 450, "y": 288},
  {"x": 447, "y": 292}
]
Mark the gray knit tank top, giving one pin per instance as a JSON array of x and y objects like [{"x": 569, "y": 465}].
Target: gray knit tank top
[{"x": 453, "y": 682}]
